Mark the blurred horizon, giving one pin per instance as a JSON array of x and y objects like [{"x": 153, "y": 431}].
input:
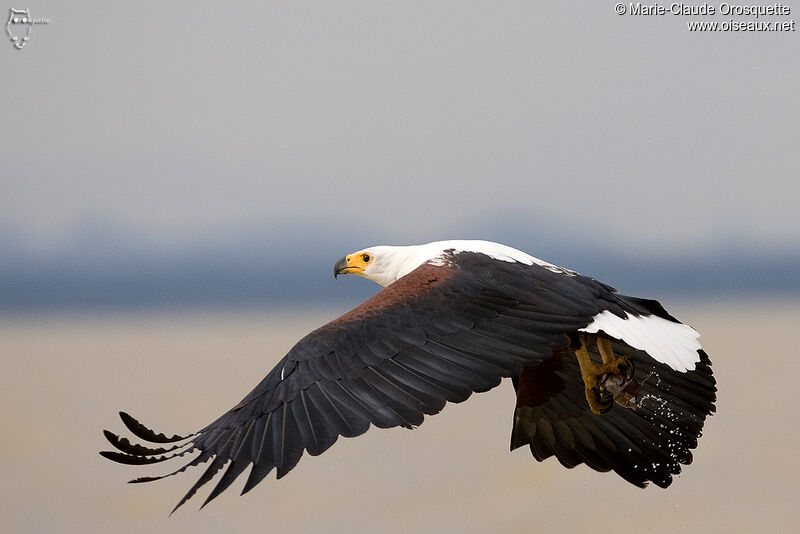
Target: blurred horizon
[
  {"x": 178, "y": 159},
  {"x": 109, "y": 267}
]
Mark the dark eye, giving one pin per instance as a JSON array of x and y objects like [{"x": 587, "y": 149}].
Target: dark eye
[{"x": 366, "y": 258}]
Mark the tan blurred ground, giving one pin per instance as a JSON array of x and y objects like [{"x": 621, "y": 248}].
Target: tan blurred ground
[{"x": 64, "y": 378}]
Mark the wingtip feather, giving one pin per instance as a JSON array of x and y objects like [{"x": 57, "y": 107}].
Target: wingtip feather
[{"x": 142, "y": 432}]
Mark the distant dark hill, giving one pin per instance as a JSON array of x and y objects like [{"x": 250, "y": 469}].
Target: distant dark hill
[{"x": 109, "y": 269}]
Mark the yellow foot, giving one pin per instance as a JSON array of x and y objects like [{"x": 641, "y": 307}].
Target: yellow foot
[{"x": 612, "y": 381}]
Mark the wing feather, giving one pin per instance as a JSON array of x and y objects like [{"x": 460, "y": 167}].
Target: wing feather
[
  {"x": 263, "y": 463},
  {"x": 436, "y": 335},
  {"x": 240, "y": 459},
  {"x": 648, "y": 444},
  {"x": 142, "y": 432}
]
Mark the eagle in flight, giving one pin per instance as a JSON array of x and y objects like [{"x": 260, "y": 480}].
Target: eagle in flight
[{"x": 607, "y": 380}]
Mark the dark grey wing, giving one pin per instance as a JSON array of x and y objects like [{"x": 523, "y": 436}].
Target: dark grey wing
[
  {"x": 436, "y": 335},
  {"x": 645, "y": 444}
]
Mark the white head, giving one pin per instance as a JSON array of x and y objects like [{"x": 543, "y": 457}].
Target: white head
[
  {"x": 385, "y": 264},
  {"x": 382, "y": 264}
]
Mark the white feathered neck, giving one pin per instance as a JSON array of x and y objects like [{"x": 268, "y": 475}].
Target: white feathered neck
[{"x": 393, "y": 262}]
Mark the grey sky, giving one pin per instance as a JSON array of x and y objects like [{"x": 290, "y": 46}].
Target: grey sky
[{"x": 413, "y": 119}]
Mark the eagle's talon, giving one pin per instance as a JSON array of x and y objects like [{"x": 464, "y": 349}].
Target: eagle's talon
[
  {"x": 607, "y": 383},
  {"x": 606, "y": 401},
  {"x": 631, "y": 370},
  {"x": 599, "y": 402},
  {"x": 601, "y": 384}
]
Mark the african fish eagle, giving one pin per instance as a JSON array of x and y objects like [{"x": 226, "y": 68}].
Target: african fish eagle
[{"x": 611, "y": 381}]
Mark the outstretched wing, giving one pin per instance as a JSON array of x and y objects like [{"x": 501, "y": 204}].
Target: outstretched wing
[
  {"x": 436, "y": 335},
  {"x": 646, "y": 444}
]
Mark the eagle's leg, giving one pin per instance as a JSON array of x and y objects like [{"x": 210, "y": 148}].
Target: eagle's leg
[
  {"x": 618, "y": 380},
  {"x": 608, "y": 382},
  {"x": 606, "y": 351},
  {"x": 591, "y": 375}
]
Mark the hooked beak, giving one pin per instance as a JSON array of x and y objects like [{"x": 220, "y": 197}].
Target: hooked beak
[
  {"x": 340, "y": 267},
  {"x": 352, "y": 263}
]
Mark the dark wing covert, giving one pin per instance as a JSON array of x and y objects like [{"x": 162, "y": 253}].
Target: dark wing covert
[{"x": 434, "y": 336}]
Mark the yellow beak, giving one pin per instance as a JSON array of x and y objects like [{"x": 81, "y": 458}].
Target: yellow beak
[{"x": 350, "y": 264}]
